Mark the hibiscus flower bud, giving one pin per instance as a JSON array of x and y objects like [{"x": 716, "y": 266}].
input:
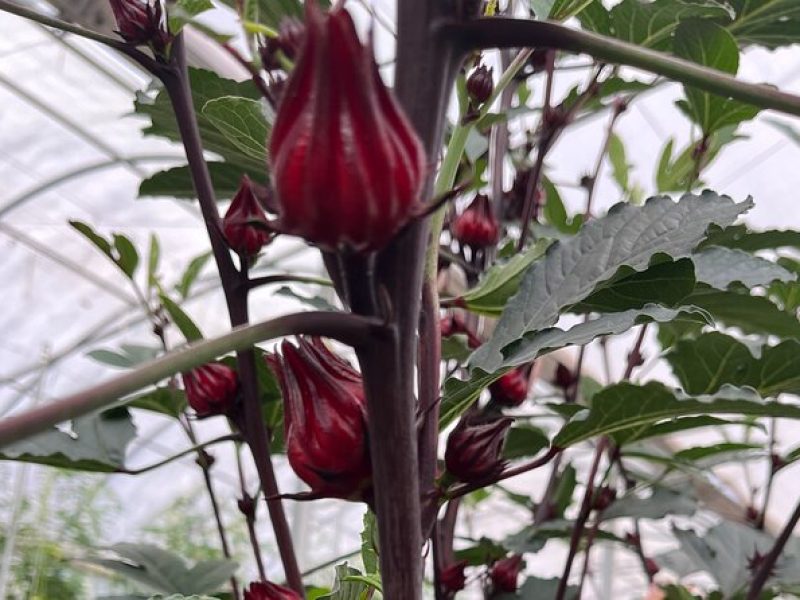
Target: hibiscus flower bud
[
  {"x": 264, "y": 590},
  {"x": 241, "y": 223},
  {"x": 211, "y": 389},
  {"x": 474, "y": 448},
  {"x": 477, "y": 226},
  {"x": 511, "y": 389},
  {"x": 347, "y": 164},
  {"x": 452, "y": 578},
  {"x": 480, "y": 84},
  {"x": 289, "y": 41},
  {"x": 325, "y": 420},
  {"x": 142, "y": 22},
  {"x": 453, "y": 324},
  {"x": 505, "y": 572}
]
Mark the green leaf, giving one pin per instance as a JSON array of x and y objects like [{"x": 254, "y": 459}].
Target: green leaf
[
  {"x": 751, "y": 314},
  {"x": 660, "y": 503},
  {"x": 533, "y": 538},
  {"x": 127, "y": 258},
  {"x": 565, "y": 9},
  {"x": 460, "y": 394},
  {"x": 720, "y": 267},
  {"x": 165, "y": 400},
  {"x": 770, "y": 23},
  {"x": 714, "y": 359},
  {"x": 153, "y": 258},
  {"x": 206, "y": 86},
  {"x": 650, "y": 24},
  {"x": 674, "y": 425},
  {"x": 676, "y": 175},
  {"x": 191, "y": 274},
  {"x": 183, "y": 12},
  {"x": 555, "y": 213},
  {"x": 159, "y": 570},
  {"x": 369, "y": 543},
  {"x": 537, "y": 588},
  {"x": 272, "y": 12},
  {"x": 242, "y": 122},
  {"x": 182, "y": 321},
  {"x": 177, "y": 182},
  {"x": 128, "y": 356},
  {"x": 627, "y": 405},
  {"x": 96, "y": 443},
  {"x": 620, "y": 169},
  {"x": 742, "y": 238},
  {"x": 315, "y": 302},
  {"x": 484, "y": 551},
  {"x": 501, "y": 282},
  {"x": 570, "y": 270},
  {"x": 180, "y": 597},
  {"x": 524, "y": 441},
  {"x": 711, "y": 45},
  {"x": 347, "y": 588}
]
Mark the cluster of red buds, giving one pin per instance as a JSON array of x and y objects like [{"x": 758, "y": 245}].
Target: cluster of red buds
[
  {"x": 348, "y": 166},
  {"x": 325, "y": 420},
  {"x": 142, "y": 22},
  {"x": 264, "y": 590},
  {"x": 474, "y": 451},
  {"x": 245, "y": 223},
  {"x": 211, "y": 389},
  {"x": 477, "y": 227}
]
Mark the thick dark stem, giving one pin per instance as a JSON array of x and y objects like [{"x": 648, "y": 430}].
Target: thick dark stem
[
  {"x": 256, "y": 433},
  {"x": 768, "y": 564}
]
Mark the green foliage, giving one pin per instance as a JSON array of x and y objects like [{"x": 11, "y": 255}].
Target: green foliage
[{"x": 120, "y": 250}]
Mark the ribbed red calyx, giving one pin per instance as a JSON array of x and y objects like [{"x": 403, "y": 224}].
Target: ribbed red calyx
[
  {"x": 511, "y": 389},
  {"x": 505, "y": 572},
  {"x": 211, "y": 389},
  {"x": 142, "y": 22},
  {"x": 452, "y": 577},
  {"x": 347, "y": 165},
  {"x": 474, "y": 448},
  {"x": 477, "y": 226},
  {"x": 325, "y": 420},
  {"x": 242, "y": 233},
  {"x": 264, "y": 590}
]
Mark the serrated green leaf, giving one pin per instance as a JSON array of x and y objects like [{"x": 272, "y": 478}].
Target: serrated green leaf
[
  {"x": 770, "y": 23},
  {"x": 191, "y": 273},
  {"x": 346, "y": 587},
  {"x": 711, "y": 45},
  {"x": 570, "y": 270},
  {"x": 742, "y": 238},
  {"x": 460, "y": 394},
  {"x": 369, "y": 543},
  {"x": 181, "y": 320},
  {"x": 714, "y": 359},
  {"x": 627, "y": 405},
  {"x": 721, "y": 267},
  {"x": 242, "y": 122},
  {"x": 177, "y": 182},
  {"x": 97, "y": 443},
  {"x": 523, "y": 441},
  {"x": 501, "y": 282}
]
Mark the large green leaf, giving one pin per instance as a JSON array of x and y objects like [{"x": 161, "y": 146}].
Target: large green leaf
[
  {"x": 711, "y": 45},
  {"x": 158, "y": 570},
  {"x": 649, "y": 24},
  {"x": 96, "y": 443},
  {"x": 564, "y": 9},
  {"x": 177, "y": 182},
  {"x": 626, "y": 405},
  {"x": 660, "y": 503},
  {"x": 537, "y": 588},
  {"x": 206, "y": 87},
  {"x": 720, "y": 267},
  {"x": 770, "y": 23},
  {"x": 165, "y": 400},
  {"x": 742, "y": 238},
  {"x": 627, "y": 236},
  {"x": 714, "y": 359},
  {"x": 242, "y": 121},
  {"x": 348, "y": 585},
  {"x": 459, "y": 394}
]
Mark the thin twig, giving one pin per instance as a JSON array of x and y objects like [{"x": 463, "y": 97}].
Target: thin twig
[
  {"x": 231, "y": 437},
  {"x": 768, "y": 563}
]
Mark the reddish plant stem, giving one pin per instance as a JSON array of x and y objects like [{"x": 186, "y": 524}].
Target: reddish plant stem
[
  {"x": 768, "y": 564},
  {"x": 617, "y": 111},
  {"x": 177, "y": 85},
  {"x": 250, "y": 517},
  {"x": 590, "y": 537},
  {"x": 762, "y": 514}
]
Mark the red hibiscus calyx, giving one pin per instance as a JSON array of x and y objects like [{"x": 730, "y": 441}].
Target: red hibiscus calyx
[
  {"x": 245, "y": 223},
  {"x": 211, "y": 389}
]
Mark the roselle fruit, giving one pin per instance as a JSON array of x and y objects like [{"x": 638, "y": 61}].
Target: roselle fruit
[
  {"x": 347, "y": 165},
  {"x": 480, "y": 84},
  {"x": 477, "y": 226},
  {"x": 452, "y": 577},
  {"x": 211, "y": 389},
  {"x": 142, "y": 22},
  {"x": 325, "y": 420},
  {"x": 265, "y": 590},
  {"x": 474, "y": 448},
  {"x": 239, "y": 226},
  {"x": 504, "y": 574},
  {"x": 511, "y": 389}
]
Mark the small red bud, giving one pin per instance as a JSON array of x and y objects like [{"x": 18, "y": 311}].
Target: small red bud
[
  {"x": 651, "y": 567},
  {"x": 142, "y": 22},
  {"x": 474, "y": 448},
  {"x": 751, "y": 514},
  {"x": 325, "y": 420},
  {"x": 480, "y": 84},
  {"x": 564, "y": 378},
  {"x": 632, "y": 538},
  {"x": 245, "y": 223},
  {"x": 452, "y": 577},
  {"x": 603, "y": 498},
  {"x": 477, "y": 226},
  {"x": 247, "y": 506},
  {"x": 505, "y": 572},
  {"x": 777, "y": 462},
  {"x": 348, "y": 166},
  {"x": 265, "y": 590},
  {"x": 211, "y": 389},
  {"x": 511, "y": 389},
  {"x": 453, "y": 324}
]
